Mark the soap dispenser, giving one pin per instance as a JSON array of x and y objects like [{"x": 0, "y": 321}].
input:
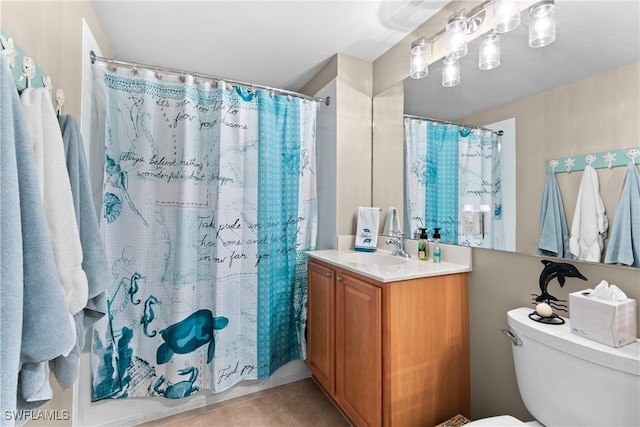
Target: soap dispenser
[
  {"x": 436, "y": 245},
  {"x": 423, "y": 245}
]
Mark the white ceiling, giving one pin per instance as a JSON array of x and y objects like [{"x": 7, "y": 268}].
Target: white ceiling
[
  {"x": 280, "y": 44},
  {"x": 592, "y": 37}
]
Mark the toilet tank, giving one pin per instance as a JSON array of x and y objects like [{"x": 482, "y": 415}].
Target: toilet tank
[{"x": 568, "y": 380}]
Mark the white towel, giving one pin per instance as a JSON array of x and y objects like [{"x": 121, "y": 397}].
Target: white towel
[
  {"x": 45, "y": 141},
  {"x": 590, "y": 223},
  {"x": 393, "y": 222},
  {"x": 367, "y": 231}
]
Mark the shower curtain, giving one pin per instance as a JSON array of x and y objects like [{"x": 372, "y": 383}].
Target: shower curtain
[
  {"x": 480, "y": 190},
  {"x": 450, "y": 170},
  {"x": 209, "y": 204}
]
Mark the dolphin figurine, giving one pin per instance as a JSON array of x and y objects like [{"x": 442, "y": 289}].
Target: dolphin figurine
[{"x": 558, "y": 270}]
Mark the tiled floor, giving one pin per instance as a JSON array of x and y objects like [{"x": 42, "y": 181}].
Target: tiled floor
[{"x": 299, "y": 404}]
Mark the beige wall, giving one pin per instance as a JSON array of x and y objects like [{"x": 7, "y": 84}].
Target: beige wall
[
  {"x": 595, "y": 114},
  {"x": 501, "y": 281},
  {"x": 388, "y": 157},
  {"x": 353, "y": 135},
  {"x": 50, "y": 32}
]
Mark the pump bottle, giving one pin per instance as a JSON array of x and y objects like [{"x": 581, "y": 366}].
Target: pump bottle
[
  {"x": 423, "y": 245},
  {"x": 436, "y": 245}
]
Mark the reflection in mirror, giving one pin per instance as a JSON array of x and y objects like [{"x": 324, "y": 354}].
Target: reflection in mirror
[
  {"x": 574, "y": 97},
  {"x": 453, "y": 182}
]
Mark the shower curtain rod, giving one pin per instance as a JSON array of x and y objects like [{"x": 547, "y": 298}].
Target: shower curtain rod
[
  {"x": 409, "y": 116},
  {"x": 134, "y": 65}
]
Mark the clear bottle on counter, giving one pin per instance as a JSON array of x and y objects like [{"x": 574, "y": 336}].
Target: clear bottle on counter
[{"x": 436, "y": 245}]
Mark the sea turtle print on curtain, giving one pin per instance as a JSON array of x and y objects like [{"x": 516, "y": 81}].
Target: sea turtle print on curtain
[{"x": 209, "y": 204}]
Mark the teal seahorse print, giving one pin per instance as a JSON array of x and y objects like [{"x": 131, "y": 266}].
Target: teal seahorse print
[{"x": 148, "y": 315}]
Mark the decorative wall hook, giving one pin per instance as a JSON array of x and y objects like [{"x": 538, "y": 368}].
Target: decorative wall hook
[
  {"x": 28, "y": 74},
  {"x": 9, "y": 50},
  {"x": 568, "y": 163},
  {"x": 605, "y": 159},
  {"x": 609, "y": 159},
  {"x": 46, "y": 82},
  {"x": 28, "y": 70},
  {"x": 59, "y": 101}
]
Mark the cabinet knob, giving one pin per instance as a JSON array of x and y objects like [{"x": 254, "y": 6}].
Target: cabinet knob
[
  {"x": 339, "y": 278},
  {"x": 328, "y": 274}
]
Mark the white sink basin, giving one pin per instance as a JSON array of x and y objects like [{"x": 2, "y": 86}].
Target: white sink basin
[{"x": 369, "y": 258}]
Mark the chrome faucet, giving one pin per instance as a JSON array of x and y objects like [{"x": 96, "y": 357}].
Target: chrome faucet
[{"x": 398, "y": 242}]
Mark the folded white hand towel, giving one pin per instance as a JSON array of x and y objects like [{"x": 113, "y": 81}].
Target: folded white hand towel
[{"x": 367, "y": 231}]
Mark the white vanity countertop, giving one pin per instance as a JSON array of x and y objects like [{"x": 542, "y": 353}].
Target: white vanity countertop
[{"x": 384, "y": 267}]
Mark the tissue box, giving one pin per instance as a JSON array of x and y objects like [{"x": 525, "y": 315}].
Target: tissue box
[{"x": 609, "y": 322}]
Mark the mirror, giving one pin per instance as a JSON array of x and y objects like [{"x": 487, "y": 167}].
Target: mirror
[{"x": 574, "y": 97}]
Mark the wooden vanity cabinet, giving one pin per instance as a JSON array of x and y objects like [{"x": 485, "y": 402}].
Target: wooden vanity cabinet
[{"x": 390, "y": 354}]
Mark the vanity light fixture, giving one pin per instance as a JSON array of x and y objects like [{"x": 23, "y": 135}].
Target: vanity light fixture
[
  {"x": 542, "y": 25},
  {"x": 506, "y": 15},
  {"x": 489, "y": 55},
  {"x": 457, "y": 36},
  {"x": 419, "y": 62},
  {"x": 460, "y": 26},
  {"x": 450, "y": 72}
]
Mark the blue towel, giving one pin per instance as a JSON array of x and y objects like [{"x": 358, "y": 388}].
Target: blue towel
[
  {"x": 94, "y": 261},
  {"x": 12, "y": 131},
  {"x": 31, "y": 292},
  {"x": 554, "y": 232},
  {"x": 624, "y": 242}
]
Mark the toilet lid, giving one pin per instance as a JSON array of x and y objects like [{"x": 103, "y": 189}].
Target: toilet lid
[{"x": 503, "y": 420}]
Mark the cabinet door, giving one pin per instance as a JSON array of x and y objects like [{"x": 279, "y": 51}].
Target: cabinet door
[
  {"x": 359, "y": 350},
  {"x": 321, "y": 325}
]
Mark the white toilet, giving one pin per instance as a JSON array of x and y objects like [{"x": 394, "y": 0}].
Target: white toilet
[{"x": 568, "y": 380}]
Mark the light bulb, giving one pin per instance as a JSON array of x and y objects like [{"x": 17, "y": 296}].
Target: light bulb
[
  {"x": 489, "y": 56},
  {"x": 506, "y": 15},
  {"x": 542, "y": 25},
  {"x": 419, "y": 59},
  {"x": 456, "y": 36}
]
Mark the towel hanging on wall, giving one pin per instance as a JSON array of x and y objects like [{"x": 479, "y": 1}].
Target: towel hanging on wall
[
  {"x": 590, "y": 224},
  {"x": 624, "y": 245},
  {"x": 55, "y": 194},
  {"x": 554, "y": 232}
]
